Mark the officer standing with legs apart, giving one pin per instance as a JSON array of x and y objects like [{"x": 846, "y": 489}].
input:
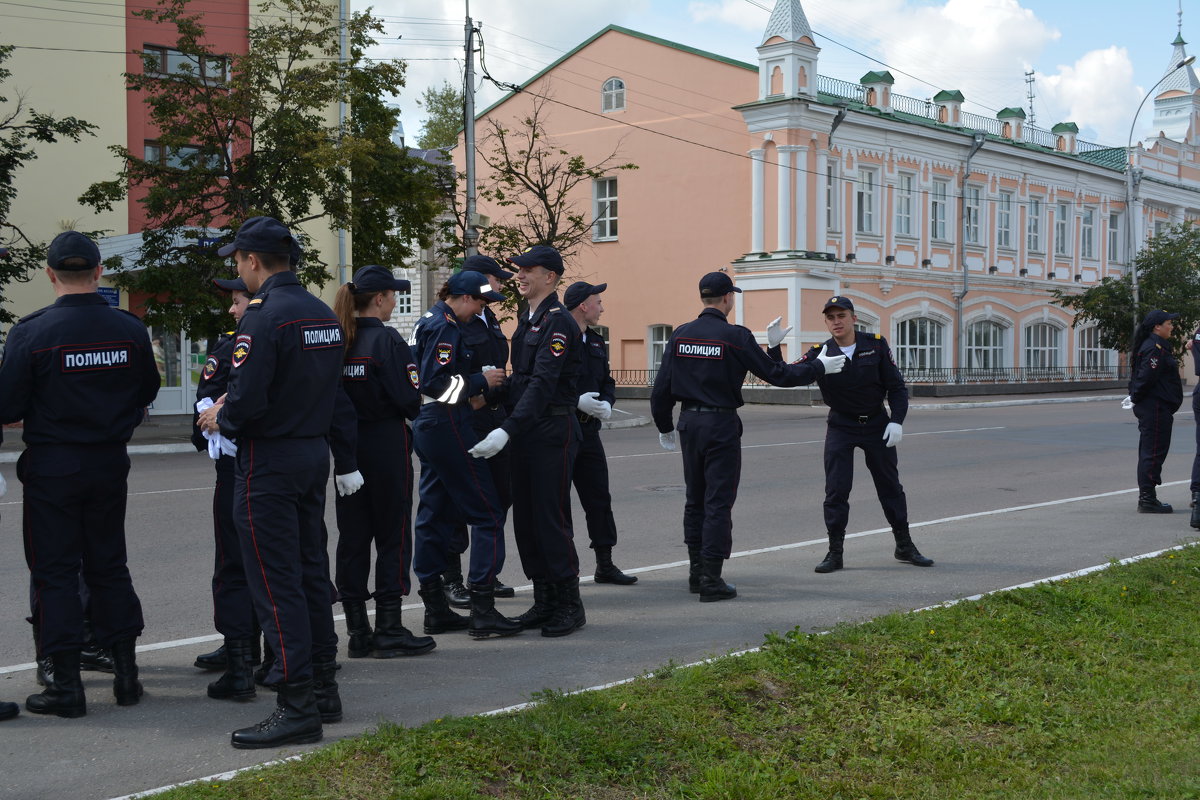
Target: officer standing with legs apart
[
  {"x": 380, "y": 377},
  {"x": 547, "y": 356},
  {"x": 703, "y": 367},
  {"x": 284, "y": 383},
  {"x": 597, "y": 393},
  {"x": 857, "y": 418},
  {"x": 1195, "y": 486},
  {"x": 80, "y": 374},
  {"x": 1157, "y": 393}
]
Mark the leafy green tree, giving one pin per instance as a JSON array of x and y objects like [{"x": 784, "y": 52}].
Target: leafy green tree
[
  {"x": 1168, "y": 271},
  {"x": 243, "y": 134},
  {"x": 21, "y": 127},
  {"x": 444, "y": 106}
]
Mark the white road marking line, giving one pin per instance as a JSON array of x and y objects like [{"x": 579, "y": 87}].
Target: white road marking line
[{"x": 810, "y": 441}]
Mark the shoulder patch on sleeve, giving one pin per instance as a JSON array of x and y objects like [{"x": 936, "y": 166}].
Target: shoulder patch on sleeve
[
  {"x": 241, "y": 349},
  {"x": 414, "y": 377},
  {"x": 210, "y": 367},
  {"x": 558, "y": 343},
  {"x": 255, "y": 302}
]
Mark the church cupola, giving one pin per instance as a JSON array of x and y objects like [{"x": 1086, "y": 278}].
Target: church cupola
[
  {"x": 1177, "y": 104},
  {"x": 787, "y": 57}
]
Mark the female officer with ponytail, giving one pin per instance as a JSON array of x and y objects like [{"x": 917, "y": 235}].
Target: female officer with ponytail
[
  {"x": 1157, "y": 393},
  {"x": 380, "y": 377}
]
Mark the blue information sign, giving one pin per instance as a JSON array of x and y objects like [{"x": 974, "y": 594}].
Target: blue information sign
[{"x": 113, "y": 296}]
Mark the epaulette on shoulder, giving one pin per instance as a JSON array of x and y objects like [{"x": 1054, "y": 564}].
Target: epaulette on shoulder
[
  {"x": 230, "y": 333},
  {"x": 32, "y": 315},
  {"x": 554, "y": 310},
  {"x": 877, "y": 336},
  {"x": 256, "y": 302},
  {"x": 427, "y": 314},
  {"x": 1157, "y": 346}
]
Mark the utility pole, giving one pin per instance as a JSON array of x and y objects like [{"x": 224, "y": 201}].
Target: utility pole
[
  {"x": 470, "y": 232},
  {"x": 1029, "y": 78}
]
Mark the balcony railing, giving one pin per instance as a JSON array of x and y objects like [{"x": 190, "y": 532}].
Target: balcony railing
[{"x": 946, "y": 375}]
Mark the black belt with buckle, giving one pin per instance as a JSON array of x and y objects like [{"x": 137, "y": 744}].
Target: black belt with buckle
[
  {"x": 861, "y": 419},
  {"x": 559, "y": 411},
  {"x": 585, "y": 418},
  {"x": 690, "y": 406}
]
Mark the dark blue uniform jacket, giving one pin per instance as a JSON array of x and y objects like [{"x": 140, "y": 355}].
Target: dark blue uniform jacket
[
  {"x": 214, "y": 379},
  {"x": 1156, "y": 374},
  {"x": 595, "y": 376},
  {"x": 380, "y": 374},
  {"x": 444, "y": 359},
  {"x": 547, "y": 356},
  {"x": 869, "y": 377},
  {"x": 488, "y": 347}
]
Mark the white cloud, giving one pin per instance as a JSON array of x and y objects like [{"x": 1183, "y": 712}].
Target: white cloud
[
  {"x": 1098, "y": 92},
  {"x": 727, "y": 12}
]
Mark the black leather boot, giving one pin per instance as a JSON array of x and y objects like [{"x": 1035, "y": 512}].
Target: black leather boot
[
  {"x": 712, "y": 586},
  {"x": 456, "y": 591},
  {"x": 93, "y": 657},
  {"x": 607, "y": 572},
  {"x": 1148, "y": 503},
  {"x": 358, "y": 629},
  {"x": 8, "y": 710},
  {"x": 212, "y": 661},
  {"x": 45, "y": 666},
  {"x": 126, "y": 686},
  {"x": 63, "y": 696},
  {"x": 238, "y": 681},
  {"x": 539, "y": 613},
  {"x": 568, "y": 610},
  {"x": 438, "y": 616},
  {"x": 329, "y": 702},
  {"x": 295, "y": 720},
  {"x": 499, "y": 589},
  {"x": 391, "y": 638},
  {"x": 695, "y": 567},
  {"x": 833, "y": 558},
  {"x": 906, "y": 551},
  {"x": 485, "y": 619},
  {"x": 1195, "y": 523},
  {"x": 268, "y": 661}
]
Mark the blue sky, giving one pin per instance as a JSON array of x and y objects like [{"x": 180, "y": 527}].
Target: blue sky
[{"x": 1094, "y": 61}]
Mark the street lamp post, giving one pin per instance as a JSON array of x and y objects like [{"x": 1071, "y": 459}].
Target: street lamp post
[{"x": 1131, "y": 192}]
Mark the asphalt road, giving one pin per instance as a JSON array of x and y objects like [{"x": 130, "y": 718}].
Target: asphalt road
[{"x": 997, "y": 496}]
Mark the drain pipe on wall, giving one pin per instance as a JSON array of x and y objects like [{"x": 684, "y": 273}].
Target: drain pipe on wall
[{"x": 962, "y": 250}]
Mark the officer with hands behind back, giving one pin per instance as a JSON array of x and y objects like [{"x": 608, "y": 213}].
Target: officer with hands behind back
[
  {"x": 1157, "y": 393},
  {"x": 857, "y": 418},
  {"x": 703, "y": 367}
]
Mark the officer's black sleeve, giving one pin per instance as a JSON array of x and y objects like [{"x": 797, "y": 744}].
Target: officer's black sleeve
[
  {"x": 608, "y": 386},
  {"x": 343, "y": 434},
  {"x": 1145, "y": 374},
  {"x": 547, "y": 366},
  {"x": 662, "y": 402},
  {"x": 751, "y": 356},
  {"x": 16, "y": 377},
  {"x": 397, "y": 376},
  {"x": 442, "y": 379},
  {"x": 893, "y": 384},
  {"x": 248, "y": 397}
]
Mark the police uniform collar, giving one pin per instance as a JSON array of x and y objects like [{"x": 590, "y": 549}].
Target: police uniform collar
[
  {"x": 711, "y": 311},
  {"x": 369, "y": 322},
  {"x": 548, "y": 302},
  {"x": 282, "y": 278},
  {"x": 81, "y": 299}
]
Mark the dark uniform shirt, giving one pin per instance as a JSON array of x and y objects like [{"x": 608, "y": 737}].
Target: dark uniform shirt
[
  {"x": 706, "y": 362},
  {"x": 443, "y": 358},
  {"x": 286, "y": 365},
  {"x": 869, "y": 377},
  {"x": 547, "y": 357},
  {"x": 595, "y": 375},
  {"x": 214, "y": 379},
  {"x": 1156, "y": 374},
  {"x": 1196, "y": 353},
  {"x": 77, "y": 372},
  {"x": 380, "y": 374},
  {"x": 488, "y": 348}
]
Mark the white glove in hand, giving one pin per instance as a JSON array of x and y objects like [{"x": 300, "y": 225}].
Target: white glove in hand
[
  {"x": 605, "y": 410},
  {"x": 1127, "y": 403},
  {"x": 892, "y": 434},
  {"x": 349, "y": 483},
  {"x": 667, "y": 440},
  {"x": 3, "y": 486},
  {"x": 591, "y": 404},
  {"x": 491, "y": 444},
  {"x": 775, "y": 334},
  {"x": 833, "y": 364}
]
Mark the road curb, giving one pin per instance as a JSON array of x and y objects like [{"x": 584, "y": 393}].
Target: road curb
[{"x": 1026, "y": 402}]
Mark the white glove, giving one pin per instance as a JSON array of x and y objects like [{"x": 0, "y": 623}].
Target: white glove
[
  {"x": 491, "y": 444},
  {"x": 892, "y": 434},
  {"x": 349, "y": 483},
  {"x": 591, "y": 404},
  {"x": 775, "y": 335},
  {"x": 218, "y": 445},
  {"x": 667, "y": 440},
  {"x": 3, "y": 486},
  {"x": 833, "y": 364},
  {"x": 1127, "y": 403}
]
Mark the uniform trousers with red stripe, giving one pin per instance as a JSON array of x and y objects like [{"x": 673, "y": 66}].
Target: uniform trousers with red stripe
[
  {"x": 379, "y": 514},
  {"x": 456, "y": 488},
  {"x": 1155, "y": 421},
  {"x": 543, "y": 461},
  {"x": 279, "y": 510},
  {"x": 233, "y": 610}
]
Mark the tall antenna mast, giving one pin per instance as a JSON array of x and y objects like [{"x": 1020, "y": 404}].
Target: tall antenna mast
[{"x": 1029, "y": 79}]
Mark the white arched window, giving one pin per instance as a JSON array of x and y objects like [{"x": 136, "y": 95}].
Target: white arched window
[
  {"x": 1043, "y": 346},
  {"x": 612, "y": 97},
  {"x": 919, "y": 344},
  {"x": 985, "y": 345},
  {"x": 659, "y": 336}
]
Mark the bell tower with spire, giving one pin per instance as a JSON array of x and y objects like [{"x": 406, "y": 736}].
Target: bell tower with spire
[
  {"x": 787, "y": 57},
  {"x": 1177, "y": 105}
]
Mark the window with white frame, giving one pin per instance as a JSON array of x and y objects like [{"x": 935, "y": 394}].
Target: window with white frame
[
  {"x": 864, "y": 202},
  {"x": 603, "y": 331},
  {"x": 972, "y": 204},
  {"x": 604, "y": 194},
  {"x": 1033, "y": 225},
  {"x": 1061, "y": 229},
  {"x": 612, "y": 96},
  {"x": 1042, "y": 342},
  {"x": 937, "y": 210},
  {"x": 168, "y": 62},
  {"x": 919, "y": 344},
  {"x": 404, "y": 303},
  {"x": 1090, "y": 354},
  {"x": 659, "y": 336},
  {"x": 904, "y": 205},
  {"x": 831, "y": 197},
  {"x": 1160, "y": 227},
  {"x": 1114, "y": 238},
  {"x": 182, "y": 157},
  {"x": 1087, "y": 233},
  {"x": 1004, "y": 207},
  {"x": 985, "y": 345}
]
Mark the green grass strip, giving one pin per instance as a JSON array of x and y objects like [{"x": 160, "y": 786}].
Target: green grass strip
[{"x": 1083, "y": 688}]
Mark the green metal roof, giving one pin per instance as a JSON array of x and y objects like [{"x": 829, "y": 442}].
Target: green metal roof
[
  {"x": 877, "y": 77},
  {"x": 1065, "y": 127},
  {"x": 948, "y": 94},
  {"x": 1011, "y": 113}
]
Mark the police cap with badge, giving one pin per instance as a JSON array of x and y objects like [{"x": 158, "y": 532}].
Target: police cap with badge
[
  {"x": 837, "y": 301},
  {"x": 374, "y": 278},
  {"x": 579, "y": 291},
  {"x": 262, "y": 235},
  {"x": 717, "y": 284},
  {"x": 540, "y": 255},
  {"x": 473, "y": 284}
]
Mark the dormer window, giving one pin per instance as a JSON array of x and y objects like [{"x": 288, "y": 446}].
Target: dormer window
[{"x": 613, "y": 95}]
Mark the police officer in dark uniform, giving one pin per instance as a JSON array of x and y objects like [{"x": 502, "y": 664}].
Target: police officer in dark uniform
[
  {"x": 1157, "y": 393},
  {"x": 857, "y": 418},
  {"x": 284, "y": 383},
  {"x": 547, "y": 355},
  {"x": 455, "y": 487},
  {"x": 597, "y": 393},
  {"x": 80, "y": 374},
  {"x": 1195, "y": 485},
  {"x": 488, "y": 347},
  {"x": 380, "y": 377},
  {"x": 703, "y": 367},
  {"x": 8, "y": 710}
]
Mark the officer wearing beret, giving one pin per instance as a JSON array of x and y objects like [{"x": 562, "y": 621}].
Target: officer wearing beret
[
  {"x": 285, "y": 378},
  {"x": 454, "y": 486},
  {"x": 80, "y": 374},
  {"x": 857, "y": 418},
  {"x": 703, "y": 368},
  {"x": 380, "y": 376},
  {"x": 597, "y": 393},
  {"x": 488, "y": 346},
  {"x": 1157, "y": 393},
  {"x": 547, "y": 357}
]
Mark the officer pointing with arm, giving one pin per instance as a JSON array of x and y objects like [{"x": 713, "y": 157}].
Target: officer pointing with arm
[{"x": 703, "y": 368}]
